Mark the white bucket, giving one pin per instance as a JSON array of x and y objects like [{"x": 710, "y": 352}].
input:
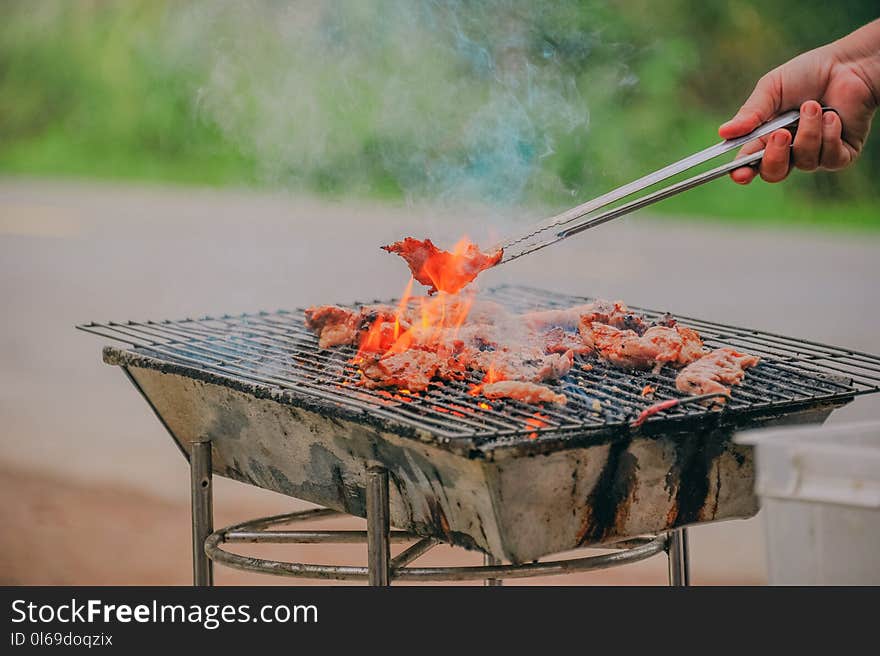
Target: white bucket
[{"x": 820, "y": 494}]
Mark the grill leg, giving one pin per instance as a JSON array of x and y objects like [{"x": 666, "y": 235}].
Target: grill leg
[
  {"x": 679, "y": 558},
  {"x": 491, "y": 560},
  {"x": 202, "y": 511},
  {"x": 378, "y": 527}
]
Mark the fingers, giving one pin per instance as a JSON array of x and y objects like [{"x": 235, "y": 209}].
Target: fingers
[
  {"x": 818, "y": 143},
  {"x": 836, "y": 154},
  {"x": 761, "y": 106},
  {"x": 775, "y": 163},
  {"x": 807, "y": 148},
  {"x": 746, "y": 174}
]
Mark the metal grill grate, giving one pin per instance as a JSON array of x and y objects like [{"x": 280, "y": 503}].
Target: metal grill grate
[{"x": 276, "y": 351}]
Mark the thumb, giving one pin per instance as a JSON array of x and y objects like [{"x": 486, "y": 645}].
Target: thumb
[{"x": 761, "y": 106}]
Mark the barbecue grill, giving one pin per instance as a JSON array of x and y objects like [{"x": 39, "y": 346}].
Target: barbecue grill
[{"x": 252, "y": 398}]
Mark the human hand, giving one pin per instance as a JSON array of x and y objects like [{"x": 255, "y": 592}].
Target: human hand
[{"x": 842, "y": 75}]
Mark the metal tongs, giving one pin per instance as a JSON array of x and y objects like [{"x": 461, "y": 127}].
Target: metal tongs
[{"x": 577, "y": 219}]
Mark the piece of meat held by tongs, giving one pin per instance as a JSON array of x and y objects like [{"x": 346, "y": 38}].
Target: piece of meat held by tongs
[{"x": 603, "y": 209}]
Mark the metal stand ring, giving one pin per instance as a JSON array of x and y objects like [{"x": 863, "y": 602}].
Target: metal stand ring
[{"x": 260, "y": 531}]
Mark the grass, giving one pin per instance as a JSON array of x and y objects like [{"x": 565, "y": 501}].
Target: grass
[
  {"x": 760, "y": 205},
  {"x": 100, "y": 90},
  {"x": 54, "y": 154}
]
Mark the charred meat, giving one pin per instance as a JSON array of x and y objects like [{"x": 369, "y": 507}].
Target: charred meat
[
  {"x": 441, "y": 270},
  {"x": 337, "y": 326}
]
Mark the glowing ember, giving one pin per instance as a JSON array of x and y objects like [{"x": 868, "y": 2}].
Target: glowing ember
[
  {"x": 485, "y": 406},
  {"x": 455, "y": 413},
  {"x": 534, "y": 422},
  {"x": 443, "y": 270}
]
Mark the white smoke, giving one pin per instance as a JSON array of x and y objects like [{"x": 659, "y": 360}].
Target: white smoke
[{"x": 444, "y": 98}]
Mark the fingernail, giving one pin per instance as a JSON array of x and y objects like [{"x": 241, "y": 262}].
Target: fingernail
[
  {"x": 811, "y": 110},
  {"x": 828, "y": 118},
  {"x": 779, "y": 139}
]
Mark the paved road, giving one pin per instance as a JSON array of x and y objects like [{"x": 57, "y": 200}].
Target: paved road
[{"x": 71, "y": 253}]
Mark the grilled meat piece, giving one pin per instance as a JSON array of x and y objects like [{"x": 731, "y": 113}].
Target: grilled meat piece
[
  {"x": 441, "y": 270},
  {"x": 554, "y": 366},
  {"x": 333, "y": 325},
  {"x": 412, "y": 370},
  {"x": 723, "y": 366},
  {"x": 523, "y": 363},
  {"x": 521, "y": 391},
  {"x": 666, "y": 320},
  {"x": 692, "y": 348},
  {"x": 657, "y": 346},
  {"x": 569, "y": 318},
  {"x": 336, "y": 326},
  {"x": 559, "y": 340},
  {"x": 612, "y": 313}
]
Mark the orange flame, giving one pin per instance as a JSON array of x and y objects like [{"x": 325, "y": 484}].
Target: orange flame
[
  {"x": 420, "y": 322},
  {"x": 402, "y": 306},
  {"x": 492, "y": 374}
]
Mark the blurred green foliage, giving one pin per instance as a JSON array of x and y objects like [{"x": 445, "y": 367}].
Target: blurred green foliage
[{"x": 93, "y": 89}]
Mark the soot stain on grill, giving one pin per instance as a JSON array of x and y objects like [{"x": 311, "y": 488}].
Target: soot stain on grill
[
  {"x": 365, "y": 445},
  {"x": 271, "y": 477},
  {"x": 325, "y": 482},
  {"x": 438, "y": 517},
  {"x": 234, "y": 471},
  {"x": 323, "y": 465},
  {"x": 607, "y": 504},
  {"x": 408, "y": 465},
  {"x": 228, "y": 421},
  {"x": 717, "y": 492},
  {"x": 691, "y": 472}
]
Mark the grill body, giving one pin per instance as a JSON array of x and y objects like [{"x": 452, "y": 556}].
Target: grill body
[
  {"x": 512, "y": 505},
  {"x": 281, "y": 415}
]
